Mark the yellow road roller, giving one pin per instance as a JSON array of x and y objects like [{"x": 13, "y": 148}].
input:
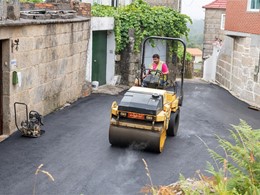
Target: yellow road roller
[{"x": 147, "y": 115}]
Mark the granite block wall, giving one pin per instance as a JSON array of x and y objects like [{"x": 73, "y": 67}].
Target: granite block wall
[{"x": 51, "y": 62}]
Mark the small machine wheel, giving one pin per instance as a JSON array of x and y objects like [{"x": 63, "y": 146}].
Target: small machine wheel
[{"x": 174, "y": 123}]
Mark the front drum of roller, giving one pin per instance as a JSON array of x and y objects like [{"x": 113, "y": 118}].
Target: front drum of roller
[{"x": 137, "y": 138}]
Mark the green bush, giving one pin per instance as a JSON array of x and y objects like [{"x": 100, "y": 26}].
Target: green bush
[{"x": 240, "y": 173}]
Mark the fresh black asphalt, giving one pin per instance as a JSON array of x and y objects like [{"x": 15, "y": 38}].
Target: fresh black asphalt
[{"x": 76, "y": 152}]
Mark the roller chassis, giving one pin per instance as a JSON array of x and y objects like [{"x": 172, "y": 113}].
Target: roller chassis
[{"x": 150, "y": 133}]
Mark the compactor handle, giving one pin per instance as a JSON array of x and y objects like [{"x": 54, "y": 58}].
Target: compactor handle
[{"x": 15, "y": 113}]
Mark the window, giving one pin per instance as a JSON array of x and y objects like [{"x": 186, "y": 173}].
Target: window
[
  {"x": 223, "y": 19},
  {"x": 253, "y": 5},
  {"x": 114, "y": 3}
]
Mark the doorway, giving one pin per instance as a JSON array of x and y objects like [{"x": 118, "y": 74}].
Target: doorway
[{"x": 99, "y": 59}]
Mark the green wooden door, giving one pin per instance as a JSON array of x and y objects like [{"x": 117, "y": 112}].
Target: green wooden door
[{"x": 99, "y": 53}]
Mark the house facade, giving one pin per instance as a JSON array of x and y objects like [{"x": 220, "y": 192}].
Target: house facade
[
  {"x": 196, "y": 54},
  {"x": 43, "y": 62},
  {"x": 101, "y": 50},
  {"x": 238, "y": 66},
  {"x": 215, "y": 13}
]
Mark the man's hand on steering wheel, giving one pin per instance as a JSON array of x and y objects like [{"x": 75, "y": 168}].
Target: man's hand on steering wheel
[{"x": 152, "y": 70}]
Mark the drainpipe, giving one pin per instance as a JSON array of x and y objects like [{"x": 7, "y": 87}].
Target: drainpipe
[{"x": 257, "y": 69}]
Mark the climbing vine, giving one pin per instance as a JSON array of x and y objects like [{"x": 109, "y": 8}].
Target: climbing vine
[{"x": 144, "y": 20}]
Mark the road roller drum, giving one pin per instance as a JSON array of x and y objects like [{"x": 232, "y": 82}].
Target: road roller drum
[{"x": 137, "y": 138}]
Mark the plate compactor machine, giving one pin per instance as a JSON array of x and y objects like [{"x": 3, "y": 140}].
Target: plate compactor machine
[
  {"x": 147, "y": 115},
  {"x": 31, "y": 126}
]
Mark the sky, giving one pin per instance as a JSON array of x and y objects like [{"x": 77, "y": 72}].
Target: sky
[{"x": 193, "y": 8}]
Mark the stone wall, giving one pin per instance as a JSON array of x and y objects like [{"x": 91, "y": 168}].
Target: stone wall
[
  {"x": 51, "y": 59},
  {"x": 238, "y": 67},
  {"x": 128, "y": 65},
  {"x": 212, "y": 29}
]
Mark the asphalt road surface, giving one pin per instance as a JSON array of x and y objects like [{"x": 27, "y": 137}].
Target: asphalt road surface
[{"x": 76, "y": 152}]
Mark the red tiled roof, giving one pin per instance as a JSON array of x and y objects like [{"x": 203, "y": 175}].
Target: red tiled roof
[
  {"x": 217, "y": 4},
  {"x": 194, "y": 51}
]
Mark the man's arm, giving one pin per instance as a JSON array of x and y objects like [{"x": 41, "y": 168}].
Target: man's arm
[{"x": 165, "y": 69}]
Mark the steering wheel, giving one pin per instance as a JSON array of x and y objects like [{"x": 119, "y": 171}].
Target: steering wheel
[
  {"x": 152, "y": 79},
  {"x": 152, "y": 70}
]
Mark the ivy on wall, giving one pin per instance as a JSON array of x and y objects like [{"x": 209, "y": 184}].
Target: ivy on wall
[{"x": 145, "y": 20}]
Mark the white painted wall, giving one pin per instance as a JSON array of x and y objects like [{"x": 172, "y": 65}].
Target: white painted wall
[
  {"x": 89, "y": 59},
  {"x": 210, "y": 65},
  {"x": 160, "y": 49},
  {"x": 198, "y": 59},
  {"x": 125, "y": 2},
  {"x": 98, "y": 24},
  {"x": 102, "y": 23},
  {"x": 111, "y": 47}
]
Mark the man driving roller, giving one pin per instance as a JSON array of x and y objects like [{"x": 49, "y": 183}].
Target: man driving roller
[{"x": 161, "y": 66}]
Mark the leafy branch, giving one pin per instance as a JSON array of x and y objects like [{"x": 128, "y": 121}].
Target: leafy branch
[
  {"x": 40, "y": 170},
  {"x": 241, "y": 160}
]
